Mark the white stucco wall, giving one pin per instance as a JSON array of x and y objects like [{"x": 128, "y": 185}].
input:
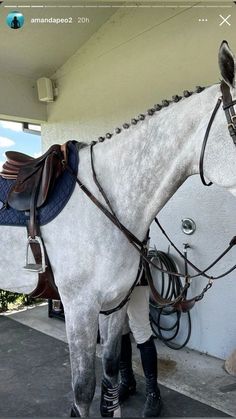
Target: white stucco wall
[
  {"x": 136, "y": 59},
  {"x": 19, "y": 99},
  {"x": 213, "y": 210}
]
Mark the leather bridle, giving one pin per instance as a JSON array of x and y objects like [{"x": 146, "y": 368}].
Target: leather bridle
[{"x": 228, "y": 107}]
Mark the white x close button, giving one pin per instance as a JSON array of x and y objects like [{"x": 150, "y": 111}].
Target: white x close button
[{"x": 225, "y": 20}]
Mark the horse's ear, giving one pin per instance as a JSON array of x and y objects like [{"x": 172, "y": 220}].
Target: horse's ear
[{"x": 227, "y": 64}]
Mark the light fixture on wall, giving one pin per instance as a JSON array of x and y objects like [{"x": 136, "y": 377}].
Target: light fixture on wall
[{"x": 45, "y": 90}]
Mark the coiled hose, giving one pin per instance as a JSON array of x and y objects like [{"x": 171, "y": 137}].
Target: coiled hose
[{"x": 166, "y": 322}]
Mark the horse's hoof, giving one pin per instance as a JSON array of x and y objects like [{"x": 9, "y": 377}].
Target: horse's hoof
[{"x": 74, "y": 413}]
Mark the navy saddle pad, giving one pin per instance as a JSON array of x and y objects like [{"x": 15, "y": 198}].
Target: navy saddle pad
[{"x": 58, "y": 198}]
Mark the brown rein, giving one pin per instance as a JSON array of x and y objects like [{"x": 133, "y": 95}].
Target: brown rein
[
  {"x": 201, "y": 172},
  {"x": 179, "y": 302}
]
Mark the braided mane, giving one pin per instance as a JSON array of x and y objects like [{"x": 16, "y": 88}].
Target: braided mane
[{"x": 150, "y": 112}]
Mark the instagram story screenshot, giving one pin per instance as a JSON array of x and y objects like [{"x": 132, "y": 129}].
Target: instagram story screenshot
[{"x": 117, "y": 208}]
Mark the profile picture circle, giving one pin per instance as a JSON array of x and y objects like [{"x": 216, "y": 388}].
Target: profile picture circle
[{"x": 15, "y": 20}]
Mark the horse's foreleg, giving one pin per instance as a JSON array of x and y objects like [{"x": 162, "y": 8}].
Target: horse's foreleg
[
  {"x": 82, "y": 326},
  {"x": 111, "y": 331}
]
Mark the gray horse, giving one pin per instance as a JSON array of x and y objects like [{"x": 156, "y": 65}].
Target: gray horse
[{"x": 94, "y": 265}]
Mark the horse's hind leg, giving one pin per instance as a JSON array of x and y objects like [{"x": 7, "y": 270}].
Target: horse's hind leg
[
  {"x": 111, "y": 331},
  {"x": 82, "y": 326}
]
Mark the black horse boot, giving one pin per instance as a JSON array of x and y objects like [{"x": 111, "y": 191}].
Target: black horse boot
[
  {"x": 109, "y": 405},
  {"x": 153, "y": 403},
  {"x": 128, "y": 383}
]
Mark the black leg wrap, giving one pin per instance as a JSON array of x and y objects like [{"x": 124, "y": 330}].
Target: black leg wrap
[
  {"x": 109, "y": 399},
  {"x": 153, "y": 404},
  {"x": 74, "y": 413}
]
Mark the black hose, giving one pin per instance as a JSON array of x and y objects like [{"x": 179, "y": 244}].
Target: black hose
[{"x": 168, "y": 286}]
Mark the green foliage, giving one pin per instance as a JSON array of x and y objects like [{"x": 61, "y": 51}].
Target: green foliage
[{"x": 10, "y": 299}]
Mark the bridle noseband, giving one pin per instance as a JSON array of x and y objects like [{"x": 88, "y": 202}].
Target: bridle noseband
[{"x": 228, "y": 107}]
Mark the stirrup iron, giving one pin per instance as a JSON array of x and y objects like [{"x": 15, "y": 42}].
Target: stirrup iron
[{"x": 35, "y": 267}]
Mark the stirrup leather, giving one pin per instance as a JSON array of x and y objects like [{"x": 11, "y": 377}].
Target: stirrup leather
[{"x": 35, "y": 267}]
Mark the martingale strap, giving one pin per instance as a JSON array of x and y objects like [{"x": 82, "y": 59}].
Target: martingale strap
[
  {"x": 127, "y": 297},
  {"x": 180, "y": 302}
]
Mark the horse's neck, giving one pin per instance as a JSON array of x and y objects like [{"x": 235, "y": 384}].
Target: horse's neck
[{"x": 141, "y": 168}]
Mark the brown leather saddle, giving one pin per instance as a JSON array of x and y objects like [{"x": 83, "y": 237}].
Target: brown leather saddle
[{"x": 35, "y": 179}]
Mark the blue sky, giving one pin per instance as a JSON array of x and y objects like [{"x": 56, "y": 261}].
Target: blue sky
[{"x": 13, "y": 138}]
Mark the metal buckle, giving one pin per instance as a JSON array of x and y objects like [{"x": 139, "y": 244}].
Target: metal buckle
[{"x": 35, "y": 267}]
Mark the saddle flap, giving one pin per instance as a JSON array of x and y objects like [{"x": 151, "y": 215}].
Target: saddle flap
[{"x": 21, "y": 193}]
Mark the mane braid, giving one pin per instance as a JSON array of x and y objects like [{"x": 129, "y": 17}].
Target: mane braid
[{"x": 150, "y": 112}]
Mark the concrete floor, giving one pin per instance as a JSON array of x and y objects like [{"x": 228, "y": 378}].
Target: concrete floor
[
  {"x": 198, "y": 376},
  {"x": 36, "y": 380}
]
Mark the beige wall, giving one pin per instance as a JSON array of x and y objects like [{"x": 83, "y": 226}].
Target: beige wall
[
  {"x": 138, "y": 57},
  {"x": 19, "y": 100}
]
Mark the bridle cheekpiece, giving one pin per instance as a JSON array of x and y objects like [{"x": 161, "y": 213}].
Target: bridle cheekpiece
[{"x": 228, "y": 107}]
